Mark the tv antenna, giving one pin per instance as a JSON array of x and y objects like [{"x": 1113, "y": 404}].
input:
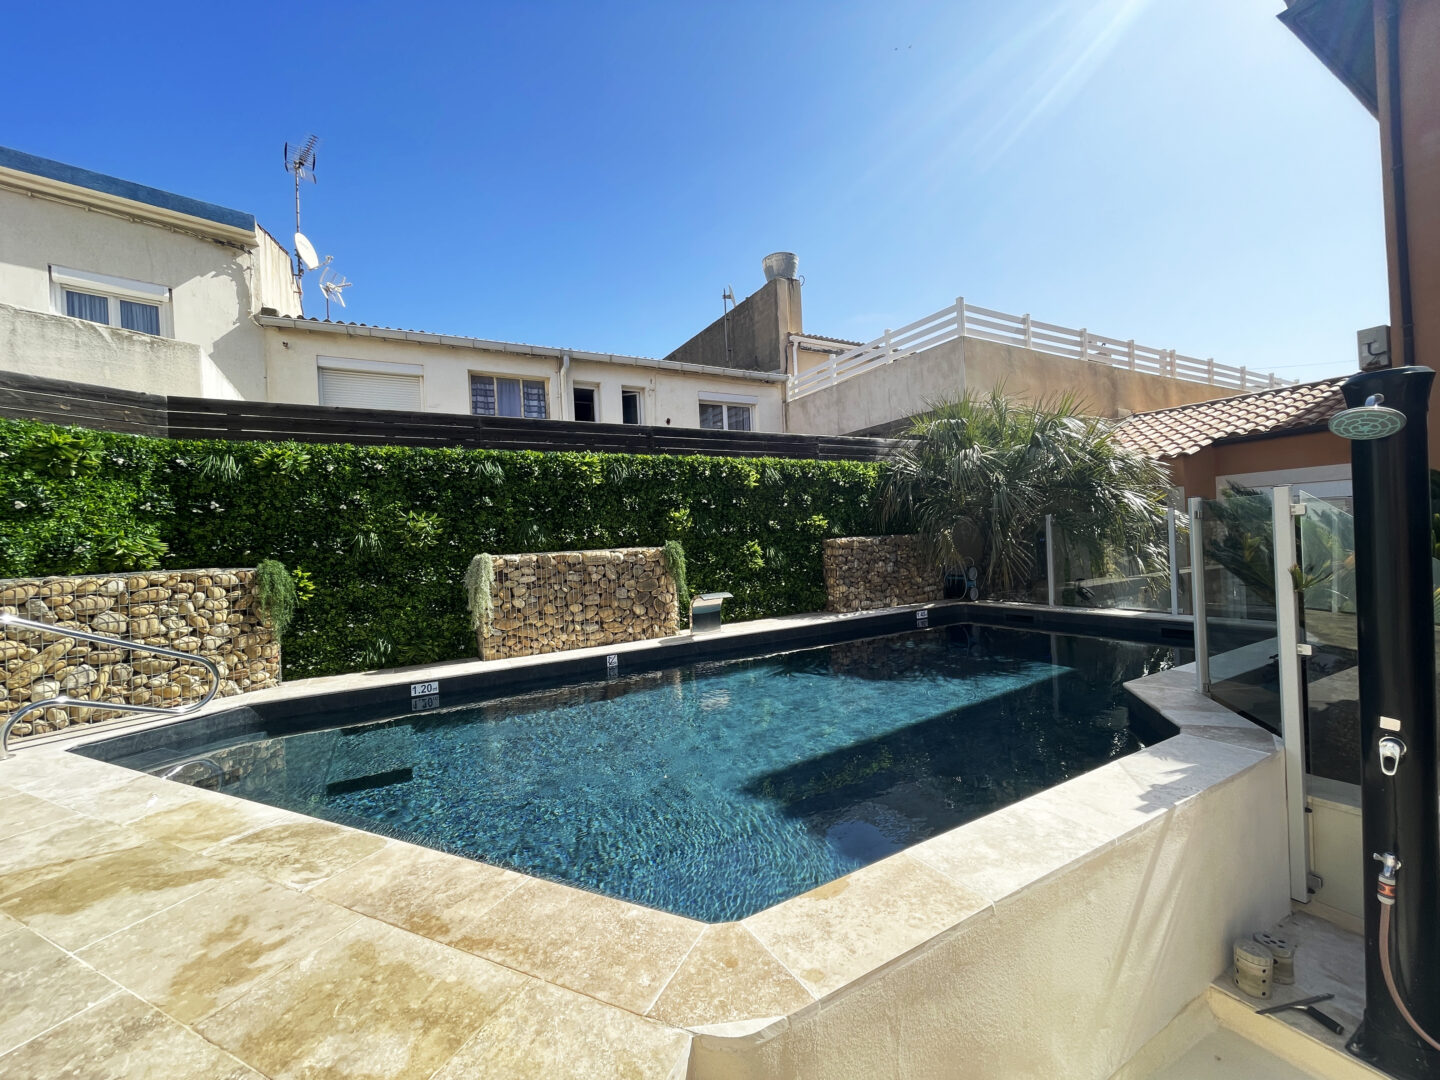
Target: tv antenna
[
  {"x": 300, "y": 163},
  {"x": 333, "y": 286}
]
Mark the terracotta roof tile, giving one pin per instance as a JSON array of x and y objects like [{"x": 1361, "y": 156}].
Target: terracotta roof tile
[{"x": 1189, "y": 428}]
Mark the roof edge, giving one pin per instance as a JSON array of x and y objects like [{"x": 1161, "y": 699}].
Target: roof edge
[{"x": 416, "y": 337}]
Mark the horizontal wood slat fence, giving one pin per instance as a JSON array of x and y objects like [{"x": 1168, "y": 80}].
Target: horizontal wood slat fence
[
  {"x": 27, "y": 397},
  {"x": 966, "y": 320}
]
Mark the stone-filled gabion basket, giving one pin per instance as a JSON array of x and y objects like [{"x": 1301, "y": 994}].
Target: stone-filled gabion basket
[{"x": 210, "y": 612}]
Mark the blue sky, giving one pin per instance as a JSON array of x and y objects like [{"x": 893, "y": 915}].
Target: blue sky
[{"x": 593, "y": 175}]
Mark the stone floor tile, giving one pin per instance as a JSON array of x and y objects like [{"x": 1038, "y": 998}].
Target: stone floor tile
[
  {"x": 547, "y": 1033},
  {"x": 204, "y": 819},
  {"x": 129, "y": 801},
  {"x": 40, "y": 986},
  {"x": 855, "y": 924},
  {"x": 205, "y": 952},
  {"x": 298, "y": 853},
  {"x": 374, "y": 1002},
  {"x": 122, "y": 1038},
  {"x": 618, "y": 952},
  {"x": 1011, "y": 849},
  {"x": 53, "y": 844},
  {"x": 729, "y": 976},
  {"x": 439, "y": 896},
  {"x": 44, "y": 773},
  {"x": 22, "y": 812},
  {"x": 94, "y": 895}
]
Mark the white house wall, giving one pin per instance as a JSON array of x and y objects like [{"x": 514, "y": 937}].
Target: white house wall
[
  {"x": 215, "y": 288},
  {"x": 292, "y": 367}
]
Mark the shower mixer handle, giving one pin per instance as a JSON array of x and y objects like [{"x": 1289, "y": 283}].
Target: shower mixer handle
[{"x": 1391, "y": 751}]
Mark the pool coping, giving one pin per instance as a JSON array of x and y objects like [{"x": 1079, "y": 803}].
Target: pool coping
[{"x": 739, "y": 982}]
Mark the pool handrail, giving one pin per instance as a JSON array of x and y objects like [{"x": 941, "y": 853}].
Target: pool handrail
[{"x": 64, "y": 702}]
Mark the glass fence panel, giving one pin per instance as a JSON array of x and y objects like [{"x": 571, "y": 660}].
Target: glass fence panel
[
  {"x": 1325, "y": 580},
  {"x": 1239, "y": 546},
  {"x": 1136, "y": 578}
]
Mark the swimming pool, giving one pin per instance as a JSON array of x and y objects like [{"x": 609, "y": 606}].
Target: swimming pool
[{"x": 721, "y": 788}]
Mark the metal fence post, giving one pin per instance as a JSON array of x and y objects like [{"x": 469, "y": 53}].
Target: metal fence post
[
  {"x": 1050, "y": 558},
  {"x": 1174, "y": 565},
  {"x": 1292, "y": 715},
  {"x": 1197, "y": 597}
]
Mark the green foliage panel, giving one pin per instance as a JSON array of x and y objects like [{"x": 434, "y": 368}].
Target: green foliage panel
[{"x": 385, "y": 533}]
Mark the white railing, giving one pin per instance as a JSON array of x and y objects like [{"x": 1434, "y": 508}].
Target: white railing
[{"x": 965, "y": 320}]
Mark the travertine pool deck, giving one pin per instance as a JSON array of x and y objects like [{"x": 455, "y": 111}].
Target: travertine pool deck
[{"x": 148, "y": 928}]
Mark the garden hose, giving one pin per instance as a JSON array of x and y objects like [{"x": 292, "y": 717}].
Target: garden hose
[{"x": 1387, "y": 890}]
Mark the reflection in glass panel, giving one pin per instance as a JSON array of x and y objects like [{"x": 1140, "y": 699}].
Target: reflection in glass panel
[
  {"x": 1239, "y": 540},
  {"x": 1325, "y": 578}
]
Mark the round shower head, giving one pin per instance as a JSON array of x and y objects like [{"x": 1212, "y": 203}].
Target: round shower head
[{"x": 1369, "y": 421}]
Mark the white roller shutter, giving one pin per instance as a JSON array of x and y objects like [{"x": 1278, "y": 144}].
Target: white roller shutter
[{"x": 370, "y": 390}]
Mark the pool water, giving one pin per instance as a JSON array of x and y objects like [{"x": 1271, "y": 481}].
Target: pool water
[{"x": 721, "y": 789}]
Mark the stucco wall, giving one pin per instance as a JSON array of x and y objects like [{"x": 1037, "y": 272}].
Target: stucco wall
[
  {"x": 1068, "y": 978},
  {"x": 1197, "y": 472},
  {"x": 756, "y": 335},
  {"x": 215, "y": 287},
  {"x": 888, "y": 394},
  {"x": 57, "y": 347},
  {"x": 670, "y": 397}
]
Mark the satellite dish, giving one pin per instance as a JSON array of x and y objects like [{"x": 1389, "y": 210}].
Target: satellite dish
[{"x": 306, "y": 251}]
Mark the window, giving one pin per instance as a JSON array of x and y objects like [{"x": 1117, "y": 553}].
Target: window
[
  {"x": 723, "y": 415},
  {"x": 585, "y": 404},
  {"x": 111, "y": 301},
  {"x": 493, "y": 395},
  {"x": 630, "y": 406}
]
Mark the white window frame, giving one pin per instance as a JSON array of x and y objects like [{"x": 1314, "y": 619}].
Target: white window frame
[
  {"x": 521, "y": 379},
  {"x": 710, "y": 398},
  {"x": 639, "y": 393},
  {"x": 113, "y": 289}
]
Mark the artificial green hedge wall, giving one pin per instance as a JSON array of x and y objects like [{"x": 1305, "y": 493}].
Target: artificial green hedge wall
[{"x": 386, "y": 532}]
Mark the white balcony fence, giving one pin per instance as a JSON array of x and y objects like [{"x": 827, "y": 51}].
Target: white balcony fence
[{"x": 965, "y": 320}]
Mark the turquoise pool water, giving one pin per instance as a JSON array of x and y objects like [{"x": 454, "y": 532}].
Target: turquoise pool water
[{"x": 721, "y": 789}]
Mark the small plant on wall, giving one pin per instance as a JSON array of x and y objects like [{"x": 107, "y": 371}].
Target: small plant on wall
[
  {"x": 478, "y": 576},
  {"x": 675, "y": 563},
  {"x": 275, "y": 595}
]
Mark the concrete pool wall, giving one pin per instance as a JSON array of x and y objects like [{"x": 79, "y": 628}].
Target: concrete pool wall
[{"x": 1053, "y": 937}]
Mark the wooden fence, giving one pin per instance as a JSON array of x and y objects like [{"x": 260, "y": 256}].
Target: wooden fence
[
  {"x": 28, "y": 397},
  {"x": 966, "y": 320}
]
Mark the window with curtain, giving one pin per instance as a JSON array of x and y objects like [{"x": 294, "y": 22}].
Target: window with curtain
[
  {"x": 142, "y": 317},
  {"x": 718, "y": 417},
  {"x": 491, "y": 395},
  {"x": 79, "y": 305}
]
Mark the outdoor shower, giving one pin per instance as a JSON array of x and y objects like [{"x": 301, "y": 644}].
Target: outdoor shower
[{"x": 1400, "y": 791}]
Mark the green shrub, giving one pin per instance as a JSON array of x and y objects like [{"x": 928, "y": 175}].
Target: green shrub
[
  {"x": 478, "y": 577},
  {"x": 386, "y": 533}
]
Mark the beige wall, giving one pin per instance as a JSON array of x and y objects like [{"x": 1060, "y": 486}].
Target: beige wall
[
  {"x": 891, "y": 393},
  {"x": 1197, "y": 472},
  {"x": 754, "y": 336},
  {"x": 215, "y": 287},
  {"x": 1066, "y": 979},
  {"x": 57, "y": 347},
  {"x": 673, "y": 397}
]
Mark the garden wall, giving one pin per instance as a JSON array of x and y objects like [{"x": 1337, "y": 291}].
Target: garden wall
[
  {"x": 209, "y": 612},
  {"x": 864, "y": 572},
  {"x": 556, "y": 600}
]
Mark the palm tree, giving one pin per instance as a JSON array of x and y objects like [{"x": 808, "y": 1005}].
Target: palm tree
[{"x": 975, "y": 476}]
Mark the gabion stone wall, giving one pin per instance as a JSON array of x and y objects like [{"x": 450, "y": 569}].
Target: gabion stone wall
[
  {"x": 210, "y": 612},
  {"x": 557, "y": 600},
  {"x": 865, "y": 572}
]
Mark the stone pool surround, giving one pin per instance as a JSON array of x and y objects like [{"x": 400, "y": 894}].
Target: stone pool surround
[{"x": 1053, "y": 937}]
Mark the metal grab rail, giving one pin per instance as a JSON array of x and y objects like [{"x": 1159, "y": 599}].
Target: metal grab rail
[{"x": 63, "y": 702}]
